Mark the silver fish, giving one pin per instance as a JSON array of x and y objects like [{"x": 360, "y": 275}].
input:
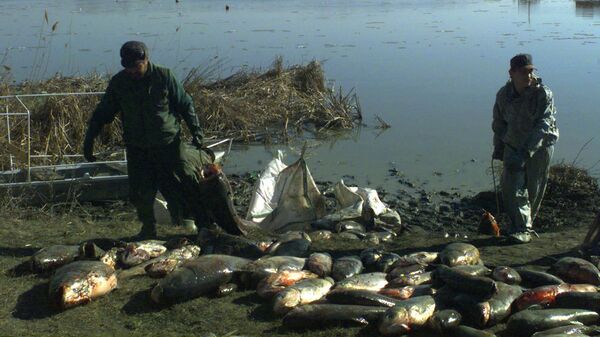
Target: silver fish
[
  {"x": 80, "y": 282},
  {"x": 303, "y": 292}
]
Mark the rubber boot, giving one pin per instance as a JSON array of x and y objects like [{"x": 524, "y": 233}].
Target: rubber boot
[{"x": 217, "y": 202}]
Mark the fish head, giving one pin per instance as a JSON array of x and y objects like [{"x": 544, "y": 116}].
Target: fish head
[
  {"x": 395, "y": 321},
  {"x": 286, "y": 300}
]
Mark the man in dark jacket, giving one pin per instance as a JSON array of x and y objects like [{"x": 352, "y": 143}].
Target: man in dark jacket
[
  {"x": 525, "y": 132},
  {"x": 151, "y": 103}
]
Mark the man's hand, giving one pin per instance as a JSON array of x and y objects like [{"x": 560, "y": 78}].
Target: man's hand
[
  {"x": 498, "y": 153},
  {"x": 515, "y": 161},
  {"x": 88, "y": 150}
]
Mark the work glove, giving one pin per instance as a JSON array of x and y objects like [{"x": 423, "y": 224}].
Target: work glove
[
  {"x": 88, "y": 150},
  {"x": 498, "y": 153},
  {"x": 515, "y": 161}
]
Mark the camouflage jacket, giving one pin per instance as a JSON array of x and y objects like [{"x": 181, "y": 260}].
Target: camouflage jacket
[
  {"x": 150, "y": 108},
  {"x": 524, "y": 122}
]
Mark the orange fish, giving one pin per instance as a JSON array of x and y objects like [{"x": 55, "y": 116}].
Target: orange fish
[
  {"x": 488, "y": 224},
  {"x": 546, "y": 295}
]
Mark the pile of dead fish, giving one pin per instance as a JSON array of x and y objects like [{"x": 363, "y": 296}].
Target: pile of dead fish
[{"x": 447, "y": 293}]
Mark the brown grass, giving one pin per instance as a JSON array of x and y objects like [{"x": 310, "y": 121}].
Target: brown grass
[{"x": 249, "y": 106}]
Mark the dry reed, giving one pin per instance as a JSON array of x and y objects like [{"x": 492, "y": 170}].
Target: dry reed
[{"x": 248, "y": 106}]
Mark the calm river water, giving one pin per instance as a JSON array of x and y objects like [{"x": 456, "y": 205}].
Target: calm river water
[{"x": 429, "y": 68}]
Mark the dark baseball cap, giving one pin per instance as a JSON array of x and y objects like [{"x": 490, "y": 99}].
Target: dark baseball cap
[
  {"x": 133, "y": 51},
  {"x": 520, "y": 61}
]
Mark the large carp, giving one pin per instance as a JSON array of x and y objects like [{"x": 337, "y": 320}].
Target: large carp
[
  {"x": 506, "y": 274},
  {"x": 407, "y": 316},
  {"x": 423, "y": 258},
  {"x": 80, "y": 282},
  {"x": 574, "y": 330},
  {"x": 197, "y": 277},
  {"x": 52, "y": 257},
  {"x": 317, "y": 315},
  {"x": 320, "y": 264},
  {"x": 345, "y": 267},
  {"x": 467, "y": 331},
  {"x": 480, "y": 286},
  {"x": 406, "y": 292},
  {"x": 579, "y": 300},
  {"x": 527, "y": 322},
  {"x": 274, "y": 283},
  {"x": 546, "y": 295},
  {"x": 360, "y": 297},
  {"x": 138, "y": 252},
  {"x": 368, "y": 281},
  {"x": 459, "y": 253},
  {"x": 171, "y": 260},
  {"x": 444, "y": 320},
  {"x": 488, "y": 313},
  {"x": 576, "y": 270},
  {"x": 303, "y": 292},
  {"x": 222, "y": 243},
  {"x": 535, "y": 278},
  {"x": 268, "y": 265},
  {"x": 412, "y": 279}
]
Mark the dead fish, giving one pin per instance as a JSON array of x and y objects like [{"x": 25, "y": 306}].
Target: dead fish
[
  {"x": 292, "y": 235},
  {"x": 488, "y": 313},
  {"x": 171, "y": 260},
  {"x": 349, "y": 225},
  {"x": 112, "y": 256},
  {"x": 318, "y": 315},
  {"x": 579, "y": 300},
  {"x": 546, "y": 295},
  {"x": 423, "y": 258},
  {"x": 345, "y": 267},
  {"x": 360, "y": 297},
  {"x": 527, "y": 322},
  {"x": 197, "y": 277},
  {"x": 368, "y": 281},
  {"x": 138, "y": 252},
  {"x": 459, "y": 253},
  {"x": 576, "y": 270},
  {"x": 483, "y": 287},
  {"x": 412, "y": 279},
  {"x": 406, "y": 270},
  {"x": 407, "y": 292},
  {"x": 320, "y": 264},
  {"x": 348, "y": 236},
  {"x": 488, "y": 224},
  {"x": 533, "y": 278},
  {"x": 407, "y": 316},
  {"x": 320, "y": 235},
  {"x": 267, "y": 265},
  {"x": 506, "y": 274},
  {"x": 475, "y": 269},
  {"x": 370, "y": 256},
  {"x": 89, "y": 250},
  {"x": 303, "y": 292},
  {"x": 573, "y": 330},
  {"x": 274, "y": 283},
  {"x": 52, "y": 257},
  {"x": 227, "y": 244},
  {"x": 444, "y": 320},
  {"x": 296, "y": 247},
  {"x": 467, "y": 331},
  {"x": 81, "y": 282},
  {"x": 226, "y": 289},
  {"x": 384, "y": 264}
]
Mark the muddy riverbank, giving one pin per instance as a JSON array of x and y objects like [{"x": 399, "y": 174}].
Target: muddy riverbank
[{"x": 432, "y": 220}]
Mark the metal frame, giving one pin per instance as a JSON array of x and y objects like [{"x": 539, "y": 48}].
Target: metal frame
[{"x": 27, "y": 114}]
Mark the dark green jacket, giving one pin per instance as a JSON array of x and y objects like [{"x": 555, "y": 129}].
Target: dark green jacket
[{"x": 150, "y": 108}]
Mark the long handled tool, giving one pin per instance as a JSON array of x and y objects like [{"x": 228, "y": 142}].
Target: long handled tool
[{"x": 495, "y": 189}]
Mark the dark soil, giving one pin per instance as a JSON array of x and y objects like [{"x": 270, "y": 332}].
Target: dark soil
[{"x": 432, "y": 219}]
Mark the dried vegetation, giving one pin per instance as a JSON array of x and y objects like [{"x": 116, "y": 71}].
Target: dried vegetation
[{"x": 249, "y": 106}]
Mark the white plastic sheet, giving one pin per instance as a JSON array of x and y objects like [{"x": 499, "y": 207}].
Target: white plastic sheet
[{"x": 288, "y": 199}]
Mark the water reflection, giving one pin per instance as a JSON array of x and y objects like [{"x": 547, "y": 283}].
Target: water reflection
[
  {"x": 587, "y": 9},
  {"x": 528, "y": 5}
]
